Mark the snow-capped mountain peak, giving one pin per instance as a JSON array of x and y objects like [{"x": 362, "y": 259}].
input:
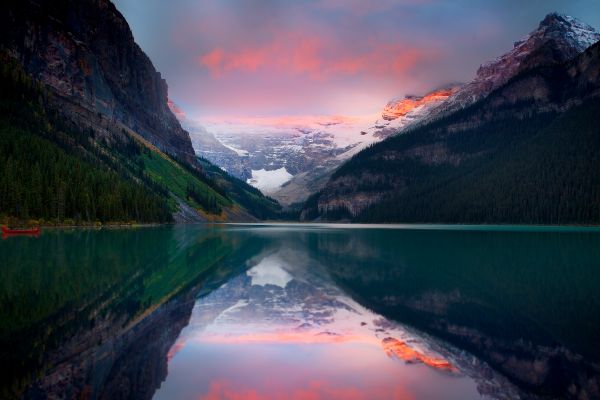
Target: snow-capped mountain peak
[
  {"x": 291, "y": 157},
  {"x": 558, "y": 38},
  {"x": 578, "y": 33}
]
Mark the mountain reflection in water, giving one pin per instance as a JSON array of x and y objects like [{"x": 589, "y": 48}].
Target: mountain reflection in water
[
  {"x": 301, "y": 311},
  {"x": 285, "y": 330}
]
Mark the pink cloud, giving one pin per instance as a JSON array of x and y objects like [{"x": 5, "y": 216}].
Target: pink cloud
[
  {"x": 213, "y": 61},
  {"x": 361, "y": 7},
  {"x": 317, "y": 57},
  {"x": 288, "y": 337},
  {"x": 321, "y": 57}
]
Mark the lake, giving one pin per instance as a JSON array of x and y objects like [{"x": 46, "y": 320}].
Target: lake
[{"x": 295, "y": 311}]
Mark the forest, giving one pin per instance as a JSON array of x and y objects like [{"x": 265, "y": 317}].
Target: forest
[
  {"x": 542, "y": 169},
  {"x": 55, "y": 172}
]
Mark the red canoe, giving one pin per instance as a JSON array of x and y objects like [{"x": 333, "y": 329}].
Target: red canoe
[{"x": 32, "y": 231}]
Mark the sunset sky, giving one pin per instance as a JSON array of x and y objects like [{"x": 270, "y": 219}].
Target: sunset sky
[{"x": 325, "y": 57}]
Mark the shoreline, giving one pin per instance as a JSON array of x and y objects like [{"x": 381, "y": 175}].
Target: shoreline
[{"x": 347, "y": 225}]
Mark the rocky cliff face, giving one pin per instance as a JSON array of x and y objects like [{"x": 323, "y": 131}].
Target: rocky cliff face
[
  {"x": 84, "y": 51},
  {"x": 557, "y": 39}
]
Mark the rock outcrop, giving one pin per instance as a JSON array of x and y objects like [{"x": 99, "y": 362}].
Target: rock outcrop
[{"x": 84, "y": 51}]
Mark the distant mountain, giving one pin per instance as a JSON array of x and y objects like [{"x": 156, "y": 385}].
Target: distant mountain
[
  {"x": 409, "y": 104},
  {"x": 291, "y": 160},
  {"x": 528, "y": 152},
  {"x": 400, "y": 114},
  {"x": 283, "y": 157},
  {"x": 74, "y": 69}
]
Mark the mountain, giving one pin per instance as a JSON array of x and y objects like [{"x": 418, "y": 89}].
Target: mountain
[
  {"x": 314, "y": 151},
  {"x": 212, "y": 149},
  {"x": 82, "y": 86},
  {"x": 85, "y": 52},
  {"x": 286, "y": 296},
  {"x": 291, "y": 158},
  {"x": 558, "y": 38},
  {"x": 274, "y": 154},
  {"x": 526, "y": 153},
  {"x": 409, "y": 104}
]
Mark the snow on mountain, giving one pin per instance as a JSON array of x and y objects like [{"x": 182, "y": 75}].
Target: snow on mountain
[
  {"x": 578, "y": 33},
  {"x": 416, "y": 104},
  {"x": 269, "y": 181},
  {"x": 558, "y": 38},
  {"x": 401, "y": 113},
  {"x": 241, "y": 153},
  {"x": 292, "y": 157},
  {"x": 269, "y": 152}
]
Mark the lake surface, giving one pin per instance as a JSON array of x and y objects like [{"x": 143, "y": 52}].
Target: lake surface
[{"x": 301, "y": 312}]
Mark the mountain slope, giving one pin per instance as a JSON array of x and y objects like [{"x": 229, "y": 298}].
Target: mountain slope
[
  {"x": 557, "y": 39},
  {"x": 107, "y": 91},
  {"x": 50, "y": 171},
  {"x": 85, "y": 51},
  {"x": 527, "y": 153},
  {"x": 309, "y": 148},
  {"x": 55, "y": 172},
  {"x": 413, "y": 108},
  {"x": 311, "y": 156}
]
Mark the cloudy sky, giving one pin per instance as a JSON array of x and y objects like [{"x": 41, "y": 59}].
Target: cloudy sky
[{"x": 225, "y": 58}]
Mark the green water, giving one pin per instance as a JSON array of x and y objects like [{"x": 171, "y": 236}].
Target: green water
[{"x": 108, "y": 305}]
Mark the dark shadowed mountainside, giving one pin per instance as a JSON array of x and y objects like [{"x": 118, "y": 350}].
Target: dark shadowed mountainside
[
  {"x": 529, "y": 152},
  {"x": 74, "y": 78}
]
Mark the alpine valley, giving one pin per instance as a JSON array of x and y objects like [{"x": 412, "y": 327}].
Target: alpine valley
[
  {"x": 519, "y": 143},
  {"x": 329, "y": 200},
  {"x": 292, "y": 157}
]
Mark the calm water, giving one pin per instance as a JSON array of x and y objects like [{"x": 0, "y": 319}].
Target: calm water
[{"x": 301, "y": 312}]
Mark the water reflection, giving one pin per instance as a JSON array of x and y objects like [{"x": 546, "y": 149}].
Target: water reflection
[
  {"x": 94, "y": 313},
  {"x": 285, "y": 330},
  {"x": 525, "y": 302},
  {"x": 300, "y": 312}
]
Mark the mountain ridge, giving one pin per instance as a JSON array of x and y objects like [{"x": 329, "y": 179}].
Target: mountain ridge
[
  {"x": 79, "y": 60},
  {"x": 86, "y": 53},
  {"x": 558, "y": 38},
  {"x": 389, "y": 180},
  {"x": 401, "y": 107}
]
